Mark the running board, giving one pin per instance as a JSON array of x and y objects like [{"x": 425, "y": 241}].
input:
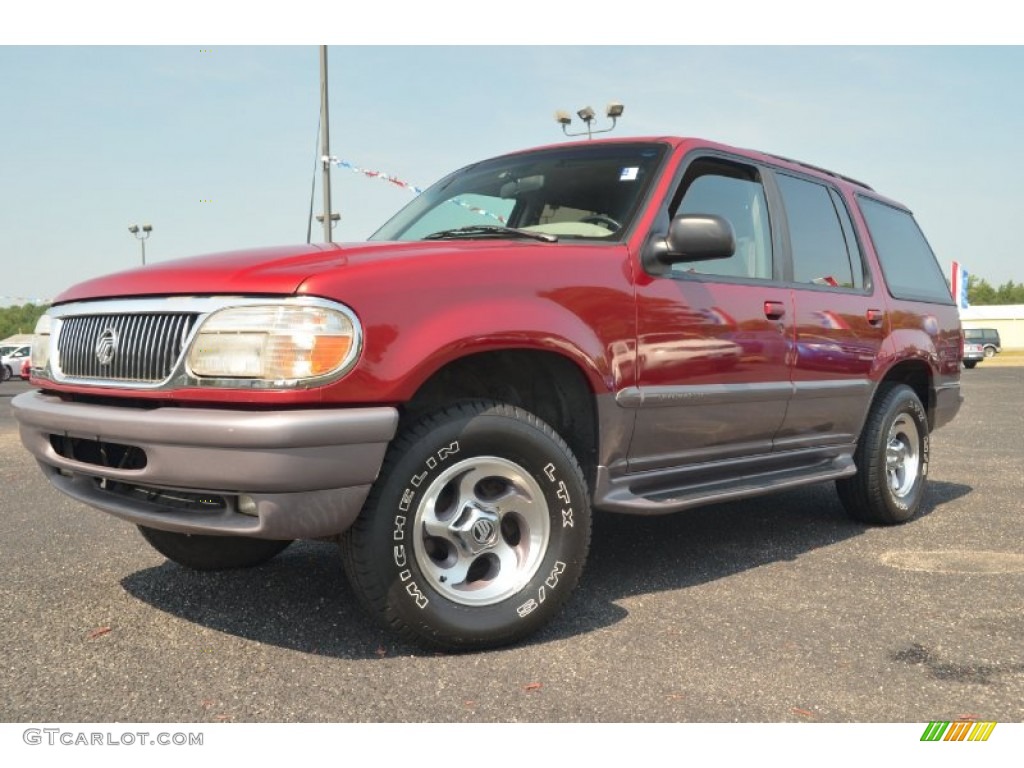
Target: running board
[{"x": 663, "y": 492}]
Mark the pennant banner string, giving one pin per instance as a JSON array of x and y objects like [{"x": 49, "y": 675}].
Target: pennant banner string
[{"x": 381, "y": 176}]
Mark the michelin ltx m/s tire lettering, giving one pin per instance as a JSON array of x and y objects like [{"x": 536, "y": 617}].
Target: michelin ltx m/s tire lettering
[{"x": 476, "y": 532}]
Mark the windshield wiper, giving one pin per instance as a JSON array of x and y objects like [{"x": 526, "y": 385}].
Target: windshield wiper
[{"x": 489, "y": 230}]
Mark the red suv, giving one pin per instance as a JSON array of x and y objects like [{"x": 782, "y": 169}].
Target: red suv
[{"x": 641, "y": 326}]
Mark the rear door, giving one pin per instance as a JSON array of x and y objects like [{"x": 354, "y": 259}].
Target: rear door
[{"x": 839, "y": 316}]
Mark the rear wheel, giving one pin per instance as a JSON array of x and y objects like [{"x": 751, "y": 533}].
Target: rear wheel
[
  {"x": 476, "y": 532},
  {"x": 970, "y": 363},
  {"x": 5, "y": 373},
  {"x": 891, "y": 458},
  {"x": 211, "y": 553}
]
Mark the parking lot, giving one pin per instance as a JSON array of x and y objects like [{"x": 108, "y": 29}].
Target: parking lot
[{"x": 776, "y": 609}]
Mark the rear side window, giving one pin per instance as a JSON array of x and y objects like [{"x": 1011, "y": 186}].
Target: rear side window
[
  {"x": 908, "y": 263},
  {"x": 990, "y": 335},
  {"x": 823, "y": 252}
]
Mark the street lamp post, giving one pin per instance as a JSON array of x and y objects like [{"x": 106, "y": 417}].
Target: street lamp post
[
  {"x": 327, "y": 218},
  {"x": 587, "y": 115},
  {"x": 141, "y": 233}
]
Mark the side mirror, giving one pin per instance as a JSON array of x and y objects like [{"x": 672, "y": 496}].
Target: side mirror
[{"x": 696, "y": 237}]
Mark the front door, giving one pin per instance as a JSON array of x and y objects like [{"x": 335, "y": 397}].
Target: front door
[{"x": 714, "y": 337}]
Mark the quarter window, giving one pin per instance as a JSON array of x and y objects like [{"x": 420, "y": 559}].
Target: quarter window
[{"x": 908, "y": 263}]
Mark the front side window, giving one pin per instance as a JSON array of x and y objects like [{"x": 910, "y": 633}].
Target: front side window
[
  {"x": 583, "y": 192},
  {"x": 734, "y": 192}
]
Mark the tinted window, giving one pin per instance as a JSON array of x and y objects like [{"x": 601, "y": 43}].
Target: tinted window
[
  {"x": 575, "y": 192},
  {"x": 907, "y": 261},
  {"x": 982, "y": 334},
  {"x": 741, "y": 201},
  {"x": 860, "y": 274},
  {"x": 819, "y": 246}
]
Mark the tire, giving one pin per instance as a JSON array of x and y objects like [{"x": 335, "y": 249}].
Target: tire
[
  {"x": 212, "y": 553},
  {"x": 970, "y": 363},
  {"x": 476, "y": 532},
  {"x": 5, "y": 373},
  {"x": 990, "y": 351},
  {"x": 891, "y": 458}
]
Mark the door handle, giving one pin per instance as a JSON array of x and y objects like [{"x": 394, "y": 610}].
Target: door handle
[
  {"x": 875, "y": 316},
  {"x": 773, "y": 310}
]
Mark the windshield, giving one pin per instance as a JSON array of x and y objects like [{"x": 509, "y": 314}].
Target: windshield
[{"x": 583, "y": 192}]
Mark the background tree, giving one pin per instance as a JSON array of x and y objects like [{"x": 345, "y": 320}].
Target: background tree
[
  {"x": 14, "y": 320},
  {"x": 1010, "y": 293},
  {"x": 980, "y": 292}
]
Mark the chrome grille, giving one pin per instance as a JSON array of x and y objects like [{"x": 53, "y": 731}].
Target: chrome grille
[{"x": 146, "y": 347}]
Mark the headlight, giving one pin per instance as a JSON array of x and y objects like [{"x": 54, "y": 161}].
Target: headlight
[
  {"x": 275, "y": 342},
  {"x": 41, "y": 343}
]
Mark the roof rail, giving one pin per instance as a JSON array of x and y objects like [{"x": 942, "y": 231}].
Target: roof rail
[{"x": 821, "y": 170}]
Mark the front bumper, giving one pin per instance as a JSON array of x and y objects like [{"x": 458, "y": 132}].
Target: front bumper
[{"x": 266, "y": 474}]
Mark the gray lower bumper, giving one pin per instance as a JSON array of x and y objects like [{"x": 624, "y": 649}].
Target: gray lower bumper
[
  {"x": 947, "y": 403},
  {"x": 297, "y": 474}
]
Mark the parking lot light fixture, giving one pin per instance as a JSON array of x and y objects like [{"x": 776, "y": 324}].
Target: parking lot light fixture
[
  {"x": 587, "y": 115},
  {"x": 141, "y": 234}
]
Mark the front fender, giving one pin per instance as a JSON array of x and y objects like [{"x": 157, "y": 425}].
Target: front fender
[{"x": 415, "y": 354}]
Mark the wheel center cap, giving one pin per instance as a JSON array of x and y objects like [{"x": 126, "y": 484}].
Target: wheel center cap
[{"x": 476, "y": 529}]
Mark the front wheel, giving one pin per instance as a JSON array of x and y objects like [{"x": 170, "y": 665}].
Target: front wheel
[
  {"x": 990, "y": 351},
  {"x": 476, "y": 532},
  {"x": 891, "y": 458},
  {"x": 211, "y": 553}
]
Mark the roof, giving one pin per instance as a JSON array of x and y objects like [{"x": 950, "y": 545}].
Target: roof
[{"x": 755, "y": 155}]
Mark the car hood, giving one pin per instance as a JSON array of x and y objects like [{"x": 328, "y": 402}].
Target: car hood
[{"x": 269, "y": 271}]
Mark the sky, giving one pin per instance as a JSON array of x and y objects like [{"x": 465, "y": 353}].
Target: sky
[{"x": 215, "y": 145}]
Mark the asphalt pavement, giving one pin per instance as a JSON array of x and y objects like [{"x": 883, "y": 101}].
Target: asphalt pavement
[{"x": 776, "y": 609}]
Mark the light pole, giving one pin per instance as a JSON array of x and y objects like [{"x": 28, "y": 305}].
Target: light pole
[
  {"x": 327, "y": 218},
  {"x": 141, "y": 233},
  {"x": 587, "y": 115}
]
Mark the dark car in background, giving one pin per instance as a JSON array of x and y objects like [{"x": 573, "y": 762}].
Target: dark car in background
[{"x": 987, "y": 337}]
